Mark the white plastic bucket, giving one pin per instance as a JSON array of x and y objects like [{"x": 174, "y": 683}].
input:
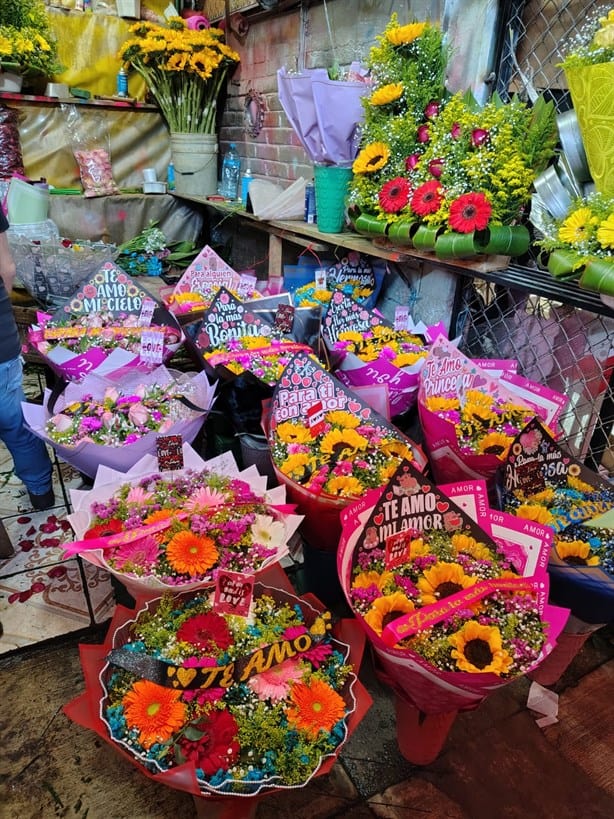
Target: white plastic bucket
[{"x": 195, "y": 160}]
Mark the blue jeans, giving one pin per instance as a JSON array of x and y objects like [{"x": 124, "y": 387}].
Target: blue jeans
[{"x": 30, "y": 456}]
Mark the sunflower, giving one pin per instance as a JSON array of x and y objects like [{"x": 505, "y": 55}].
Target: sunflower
[
  {"x": 495, "y": 443},
  {"x": 291, "y": 433},
  {"x": 191, "y": 554},
  {"x": 530, "y": 511},
  {"x": 299, "y": 466},
  {"x": 341, "y": 418},
  {"x": 386, "y": 609},
  {"x": 154, "y": 711},
  {"x": 576, "y": 553},
  {"x": 575, "y": 483},
  {"x": 427, "y": 198},
  {"x": 403, "y": 35},
  {"x": 371, "y": 158},
  {"x": 396, "y": 449},
  {"x": 365, "y": 580},
  {"x": 470, "y": 212},
  {"x": 339, "y": 441},
  {"x": 386, "y": 94},
  {"x": 605, "y": 232},
  {"x": 479, "y": 649},
  {"x": 442, "y": 580},
  {"x": 577, "y": 227},
  {"x": 394, "y": 194},
  {"x": 346, "y": 486},
  {"x": 437, "y": 403},
  {"x": 470, "y": 546},
  {"x": 316, "y": 707}
]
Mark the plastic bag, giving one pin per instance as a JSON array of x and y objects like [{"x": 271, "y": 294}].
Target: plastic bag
[
  {"x": 11, "y": 159},
  {"x": 90, "y": 141}
]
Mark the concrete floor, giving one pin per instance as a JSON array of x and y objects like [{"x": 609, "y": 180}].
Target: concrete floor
[{"x": 496, "y": 763}]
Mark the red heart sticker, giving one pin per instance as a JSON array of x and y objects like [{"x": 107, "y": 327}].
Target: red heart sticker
[
  {"x": 442, "y": 506},
  {"x": 378, "y": 519}
]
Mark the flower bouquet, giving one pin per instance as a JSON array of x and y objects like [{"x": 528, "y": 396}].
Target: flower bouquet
[
  {"x": 27, "y": 44},
  {"x": 158, "y": 530},
  {"x": 185, "y": 70},
  {"x": 232, "y": 340},
  {"x": 329, "y": 447},
  {"x": 225, "y": 706},
  {"x": 355, "y": 276},
  {"x": 201, "y": 282},
  {"x": 470, "y": 418},
  {"x": 441, "y": 173},
  {"x": 541, "y": 483},
  {"x": 108, "y": 323},
  {"x": 451, "y": 613},
  {"x": 374, "y": 352},
  {"x": 116, "y": 421},
  {"x": 589, "y": 70},
  {"x": 150, "y": 252},
  {"x": 581, "y": 244}
]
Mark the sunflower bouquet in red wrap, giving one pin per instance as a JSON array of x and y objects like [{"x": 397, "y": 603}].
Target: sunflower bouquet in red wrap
[
  {"x": 226, "y": 702},
  {"x": 451, "y": 613}
]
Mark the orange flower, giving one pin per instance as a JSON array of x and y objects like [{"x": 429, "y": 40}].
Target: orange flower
[
  {"x": 317, "y": 707},
  {"x": 158, "y": 515},
  {"x": 191, "y": 554},
  {"x": 156, "y": 712}
]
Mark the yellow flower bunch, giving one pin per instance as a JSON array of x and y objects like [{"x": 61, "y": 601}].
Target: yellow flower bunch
[
  {"x": 594, "y": 43},
  {"x": 184, "y": 70},
  {"x": 27, "y": 45},
  {"x": 586, "y": 233}
]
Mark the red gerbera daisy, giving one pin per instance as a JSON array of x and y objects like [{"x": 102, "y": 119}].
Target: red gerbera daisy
[
  {"x": 427, "y": 198},
  {"x": 208, "y": 632},
  {"x": 216, "y": 747},
  {"x": 394, "y": 195},
  {"x": 469, "y": 212},
  {"x": 109, "y": 527}
]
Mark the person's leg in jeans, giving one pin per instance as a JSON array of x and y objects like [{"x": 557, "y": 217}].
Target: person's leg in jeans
[{"x": 30, "y": 457}]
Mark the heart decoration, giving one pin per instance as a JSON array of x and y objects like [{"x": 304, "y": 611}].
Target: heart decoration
[
  {"x": 353, "y": 407},
  {"x": 442, "y": 506},
  {"x": 185, "y": 676},
  {"x": 296, "y": 379},
  {"x": 378, "y": 519}
]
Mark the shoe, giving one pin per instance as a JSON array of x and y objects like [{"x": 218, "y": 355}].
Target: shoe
[{"x": 42, "y": 502}]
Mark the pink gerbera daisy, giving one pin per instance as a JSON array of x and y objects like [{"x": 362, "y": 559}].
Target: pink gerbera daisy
[{"x": 274, "y": 683}]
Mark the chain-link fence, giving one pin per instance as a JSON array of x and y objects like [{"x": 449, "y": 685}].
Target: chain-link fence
[{"x": 556, "y": 342}]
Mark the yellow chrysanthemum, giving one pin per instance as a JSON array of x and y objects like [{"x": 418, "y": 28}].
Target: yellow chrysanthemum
[
  {"x": 576, "y": 228},
  {"x": 371, "y": 158},
  {"x": 403, "y": 35},
  {"x": 576, "y": 553},
  {"x": 386, "y": 609},
  {"x": 442, "y": 580},
  {"x": 605, "y": 231},
  {"x": 479, "y": 649},
  {"x": 386, "y": 94},
  {"x": 341, "y": 418},
  {"x": 343, "y": 440}
]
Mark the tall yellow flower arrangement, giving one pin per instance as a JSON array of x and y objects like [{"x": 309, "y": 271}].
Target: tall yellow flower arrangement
[{"x": 184, "y": 70}]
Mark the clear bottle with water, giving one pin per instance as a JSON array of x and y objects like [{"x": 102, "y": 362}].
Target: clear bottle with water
[{"x": 231, "y": 173}]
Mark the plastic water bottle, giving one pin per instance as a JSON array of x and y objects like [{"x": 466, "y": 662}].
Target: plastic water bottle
[
  {"x": 231, "y": 173},
  {"x": 170, "y": 177},
  {"x": 245, "y": 183}
]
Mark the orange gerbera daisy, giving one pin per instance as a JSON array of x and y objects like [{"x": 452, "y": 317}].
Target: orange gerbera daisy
[
  {"x": 155, "y": 711},
  {"x": 159, "y": 514},
  {"x": 191, "y": 554},
  {"x": 316, "y": 707}
]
